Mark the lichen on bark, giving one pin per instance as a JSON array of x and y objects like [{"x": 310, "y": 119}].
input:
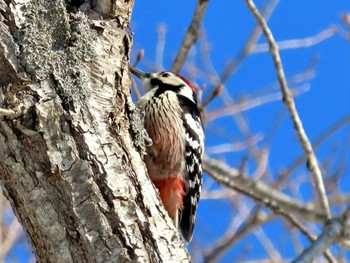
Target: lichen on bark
[{"x": 68, "y": 165}]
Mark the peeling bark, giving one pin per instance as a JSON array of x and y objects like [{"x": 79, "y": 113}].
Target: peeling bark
[{"x": 70, "y": 138}]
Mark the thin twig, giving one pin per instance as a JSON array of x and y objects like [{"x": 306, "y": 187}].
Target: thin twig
[
  {"x": 140, "y": 56},
  {"x": 341, "y": 164},
  {"x": 160, "y": 47},
  {"x": 190, "y": 36},
  {"x": 299, "y": 43},
  {"x": 268, "y": 245},
  {"x": 135, "y": 89},
  {"x": 254, "y": 36},
  {"x": 318, "y": 141},
  {"x": 345, "y": 241},
  {"x": 234, "y": 64},
  {"x": 233, "y": 147},
  {"x": 13, "y": 233},
  {"x": 339, "y": 199},
  {"x": 289, "y": 102},
  {"x": 248, "y": 104}
]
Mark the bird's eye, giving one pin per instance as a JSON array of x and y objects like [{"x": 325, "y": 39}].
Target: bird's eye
[{"x": 165, "y": 75}]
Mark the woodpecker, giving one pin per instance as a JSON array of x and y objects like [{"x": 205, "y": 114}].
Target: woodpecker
[{"x": 174, "y": 160}]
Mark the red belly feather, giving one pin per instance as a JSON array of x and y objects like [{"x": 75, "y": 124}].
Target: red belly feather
[{"x": 171, "y": 192}]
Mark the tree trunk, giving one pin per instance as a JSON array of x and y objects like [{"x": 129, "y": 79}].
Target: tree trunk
[{"x": 70, "y": 138}]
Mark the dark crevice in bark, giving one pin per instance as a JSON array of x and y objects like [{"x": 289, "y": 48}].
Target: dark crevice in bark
[
  {"x": 61, "y": 199},
  {"x": 149, "y": 241},
  {"x": 36, "y": 148},
  {"x": 114, "y": 221},
  {"x": 66, "y": 100},
  {"x": 99, "y": 176},
  {"x": 20, "y": 208},
  {"x": 73, "y": 5}
]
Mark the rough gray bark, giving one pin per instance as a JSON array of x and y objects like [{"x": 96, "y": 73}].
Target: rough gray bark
[{"x": 69, "y": 141}]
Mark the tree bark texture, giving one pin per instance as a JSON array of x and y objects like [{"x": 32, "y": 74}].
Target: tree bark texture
[{"x": 70, "y": 138}]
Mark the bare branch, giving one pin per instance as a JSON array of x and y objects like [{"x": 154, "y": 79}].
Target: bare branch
[
  {"x": 233, "y": 178},
  {"x": 336, "y": 231},
  {"x": 191, "y": 35},
  {"x": 311, "y": 237},
  {"x": 256, "y": 219},
  {"x": 289, "y": 102},
  {"x": 339, "y": 199},
  {"x": 329, "y": 236}
]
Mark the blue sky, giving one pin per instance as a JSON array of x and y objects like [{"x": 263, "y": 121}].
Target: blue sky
[{"x": 227, "y": 25}]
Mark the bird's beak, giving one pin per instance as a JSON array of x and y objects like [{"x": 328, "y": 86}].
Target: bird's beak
[{"x": 140, "y": 74}]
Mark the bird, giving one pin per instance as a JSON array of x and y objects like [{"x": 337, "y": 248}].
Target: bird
[{"x": 173, "y": 122}]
